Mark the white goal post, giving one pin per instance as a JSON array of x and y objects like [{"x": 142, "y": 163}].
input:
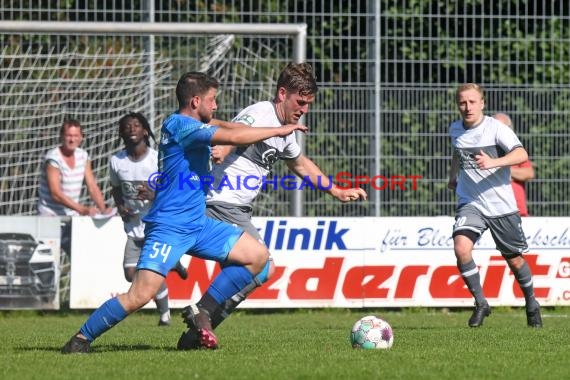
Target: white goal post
[{"x": 297, "y": 33}]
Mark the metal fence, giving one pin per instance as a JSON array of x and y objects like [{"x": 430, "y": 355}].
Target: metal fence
[{"x": 386, "y": 71}]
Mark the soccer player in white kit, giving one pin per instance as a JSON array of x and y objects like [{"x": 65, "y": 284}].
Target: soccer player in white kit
[{"x": 483, "y": 151}]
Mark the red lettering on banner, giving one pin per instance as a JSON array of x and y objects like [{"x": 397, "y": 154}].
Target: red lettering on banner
[
  {"x": 385, "y": 282},
  {"x": 494, "y": 276},
  {"x": 564, "y": 268},
  {"x": 536, "y": 270},
  {"x": 326, "y": 280},
  {"x": 198, "y": 276},
  {"x": 365, "y": 282},
  {"x": 408, "y": 279},
  {"x": 263, "y": 292},
  {"x": 446, "y": 282}
]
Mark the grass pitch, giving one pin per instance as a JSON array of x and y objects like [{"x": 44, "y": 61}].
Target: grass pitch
[{"x": 300, "y": 344}]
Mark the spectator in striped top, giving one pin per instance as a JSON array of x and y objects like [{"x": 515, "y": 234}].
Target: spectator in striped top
[{"x": 64, "y": 169}]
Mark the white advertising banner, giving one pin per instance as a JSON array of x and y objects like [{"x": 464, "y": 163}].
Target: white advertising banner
[
  {"x": 30, "y": 262},
  {"x": 344, "y": 262},
  {"x": 97, "y": 249}
]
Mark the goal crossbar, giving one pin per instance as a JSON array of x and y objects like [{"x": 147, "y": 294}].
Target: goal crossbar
[{"x": 297, "y": 31}]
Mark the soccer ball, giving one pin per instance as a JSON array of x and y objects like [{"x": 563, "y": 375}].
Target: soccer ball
[{"x": 371, "y": 332}]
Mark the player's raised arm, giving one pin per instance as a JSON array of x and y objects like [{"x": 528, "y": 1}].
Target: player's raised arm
[
  {"x": 244, "y": 135},
  {"x": 226, "y": 124}
]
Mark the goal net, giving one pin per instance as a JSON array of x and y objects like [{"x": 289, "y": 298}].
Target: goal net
[
  {"x": 39, "y": 89},
  {"x": 97, "y": 79}
]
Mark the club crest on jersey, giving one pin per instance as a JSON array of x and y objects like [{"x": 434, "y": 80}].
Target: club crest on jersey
[
  {"x": 467, "y": 159},
  {"x": 269, "y": 157}
]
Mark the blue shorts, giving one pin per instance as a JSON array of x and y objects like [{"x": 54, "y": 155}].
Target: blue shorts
[{"x": 164, "y": 245}]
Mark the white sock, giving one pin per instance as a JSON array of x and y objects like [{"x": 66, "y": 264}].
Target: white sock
[{"x": 164, "y": 317}]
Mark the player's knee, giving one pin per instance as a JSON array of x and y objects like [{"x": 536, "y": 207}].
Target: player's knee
[
  {"x": 260, "y": 259},
  {"x": 271, "y": 270},
  {"x": 514, "y": 260},
  {"x": 463, "y": 247},
  {"x": 463, "y": 255},
  {"x": 266, "y": 272}
]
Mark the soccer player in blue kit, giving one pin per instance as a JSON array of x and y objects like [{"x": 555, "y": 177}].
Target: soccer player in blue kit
[{"x": 176, "y": 223}]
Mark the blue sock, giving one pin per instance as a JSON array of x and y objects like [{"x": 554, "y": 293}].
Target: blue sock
[
  {"x": 262, "y": 276},
  {"x": 231, "y": 280},
  {"x": 102, "y": 319}
]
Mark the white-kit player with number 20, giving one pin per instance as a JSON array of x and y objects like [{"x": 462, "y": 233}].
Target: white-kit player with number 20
[{"x": 483, "y": 151}]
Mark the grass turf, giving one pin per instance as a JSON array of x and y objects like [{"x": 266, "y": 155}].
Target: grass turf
[{"x": 299, "y": 344}]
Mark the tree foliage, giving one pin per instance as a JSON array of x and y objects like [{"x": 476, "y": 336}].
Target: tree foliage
[{"x": 517, "y": 49}]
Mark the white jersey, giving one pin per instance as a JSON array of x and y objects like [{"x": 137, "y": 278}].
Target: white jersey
[
  {"x": 489, "y": 190},
  {"x": 129, "y": 175},
  {"x": 245, "y": 169},
  {"x": 71, "y": 180}
]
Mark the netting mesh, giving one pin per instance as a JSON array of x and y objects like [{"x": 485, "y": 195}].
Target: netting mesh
[
  {"x": 245, "y": 69},
  {"x": 386, "y": 70},
  {"x": 39, "y": 89}
]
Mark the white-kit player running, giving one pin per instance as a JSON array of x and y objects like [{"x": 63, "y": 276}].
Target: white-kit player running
[
  {"x": 296, "y": 89},
  {"x": 483, "y": 151}
]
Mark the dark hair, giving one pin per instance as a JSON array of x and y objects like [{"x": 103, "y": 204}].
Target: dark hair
[
  {"x": 298, "y": 77},
  {"x": 123, "y": 122},
  {"x": 68, "y": 123},
  {"x": 193, "y": 84}
]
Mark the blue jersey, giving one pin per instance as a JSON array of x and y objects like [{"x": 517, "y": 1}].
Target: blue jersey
[
  {"x": 184, "y": 158},
  {"x": 176, "y": 223}
]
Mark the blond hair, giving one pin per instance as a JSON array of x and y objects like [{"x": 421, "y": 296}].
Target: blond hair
[{"x": 469, "y": 86}]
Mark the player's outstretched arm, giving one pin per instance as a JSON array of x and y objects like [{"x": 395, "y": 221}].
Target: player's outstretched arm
[
  {"x": 244, "y": 135},
  {"x": 304, "y": 167},
  {"x": 225, "y": 124},
  {"x": 220, "y": 152}
]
